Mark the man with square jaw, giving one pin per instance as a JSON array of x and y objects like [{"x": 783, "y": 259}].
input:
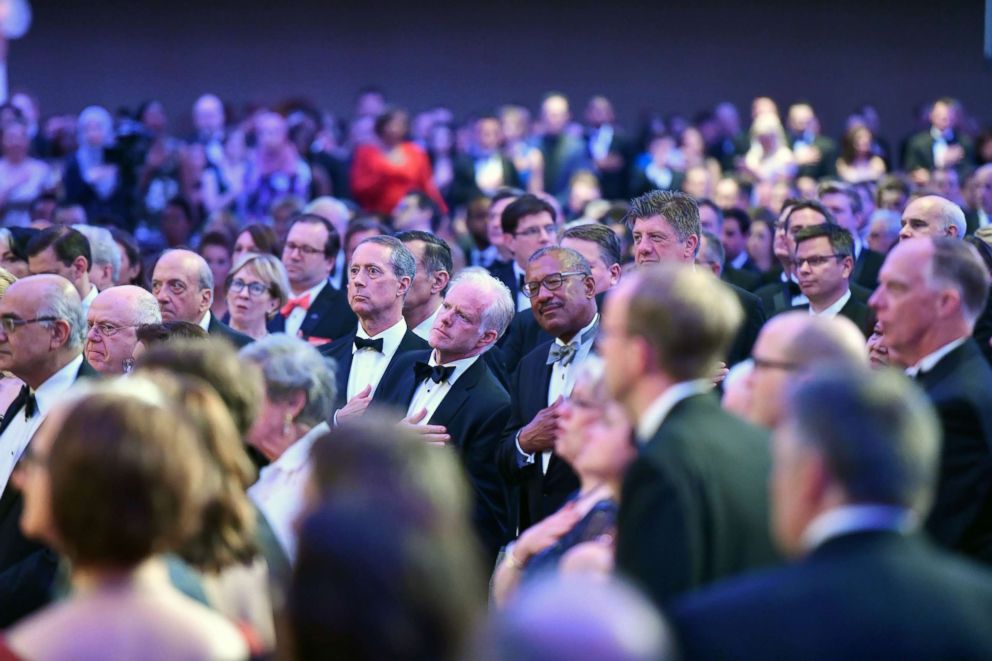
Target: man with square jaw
[{"x": 529, "y": 224}]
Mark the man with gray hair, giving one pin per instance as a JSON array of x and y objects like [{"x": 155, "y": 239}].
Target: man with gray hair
[
  {"x": 379, "y": 277},
  {"x": 450, "y": 394},
  {"x": 112, "y": 322},
  {"x": 883, "y": 230},
  {"x": 105, "y": 271},
  {"x": 854, "y": 473},
  {"x": 931, "y": 292},
  {"x": 932, "y": 215},
  {"x": 41, "y": 343}
]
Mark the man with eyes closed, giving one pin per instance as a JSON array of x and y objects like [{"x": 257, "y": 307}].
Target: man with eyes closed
[
  {"x": 379, "y": 278},
  {"x": 451, "y": 396}
]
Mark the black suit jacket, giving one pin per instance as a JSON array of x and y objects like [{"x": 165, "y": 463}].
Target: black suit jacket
[
  {"x": 503, "y": 271},
  {"x": 919, "y": 152},
  {"x": 754, "y": 319},
  {"x": 960, "y": 387},
  {"x": 328, "y": 318},
  {"x": 745, "y": 279},
  {"x": 27, "y": 568},
  {"x": 776, "y": 297},
  {"x": 862, "y": 315},
  {"x": 341, "y": 351},
  {"x": 866, "y": 269},
  {"x": 541, "y": 494},
  {"x": 218, "y": 328},
  {"x": 475, "y": 412},
  {"x": 694, "y": 507},
  {"x": 463, "y": 185},
  {"x": 827, "y": 165},
  {"x": 614, "y": 184},
  {"x": 869, "y": 595},
  {"x": 522, "y": 336}
]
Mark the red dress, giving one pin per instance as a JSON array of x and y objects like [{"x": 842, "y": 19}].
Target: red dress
[{"x": 379, "y": 183}]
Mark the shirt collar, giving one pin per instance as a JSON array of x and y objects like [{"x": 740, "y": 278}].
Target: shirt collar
[
  {"x": 739, "y": 261},
  {"x": 50, "y": 392},
  {"x": 297, "y": 455},
  {"x": 205, "y": 321},
  {"x": 90, "y": 296},
  {"x": 423, "y": 329},
  {"x": 857, "y": 518},
  {"x": 391, "y": 337},
  {"x": 517, "y": 271},
  {"x": 584, "y": 336},
  {"x": 834, "y": 308},
  {"x": 930, "y": 361},
  {"x": 659, "y": 409},
  {"x": 461, "y": 366},
  {"x": 313, "y": 291}
]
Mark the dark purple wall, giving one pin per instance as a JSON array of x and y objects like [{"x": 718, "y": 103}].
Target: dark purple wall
[{"x": 471, "y": 56}]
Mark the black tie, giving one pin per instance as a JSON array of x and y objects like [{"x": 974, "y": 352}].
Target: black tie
[
  {"x": 436, "y": 373},
  {"x": 522, "y": 282},
  {"x": 793, "y": 288},
  {"x": 26, "y": 397},
  {"x": 362, "y": 343}
]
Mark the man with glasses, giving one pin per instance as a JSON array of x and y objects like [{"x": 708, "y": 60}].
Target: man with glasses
[
  {"x": 562, "y": 293},
  {"x": 529, "y": 224},
  {"x": 824, "y": 263},
  {"x": 316, "y": 311},
  {"x": 183, "y": 285},
  {"x": 112, "y": 323},
  {"x": 42, "y": 329}
]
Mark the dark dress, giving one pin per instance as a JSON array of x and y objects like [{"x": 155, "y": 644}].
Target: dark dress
[{"x": 600, "y": 520}]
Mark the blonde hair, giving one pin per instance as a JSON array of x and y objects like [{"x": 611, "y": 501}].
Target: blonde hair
[{"x": 269, "y": 269}]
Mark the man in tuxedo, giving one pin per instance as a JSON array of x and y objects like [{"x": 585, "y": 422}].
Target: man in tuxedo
[
  {"x": 113, "y": 322},
  {"x": 734, "y": 231},
  {"x": 693, "y": 506},
  {"x": 484, "y": 170},
  {"x": 942, "y": 146},
  {"x": 42, "y": 329},
  {"x": 848, "y": 492},
  {"x": 665, "y": 226},
  {"x": 449, "y": 392},
  {"x": 66, "y": 252},
  {"x": 816, "y": 154},
  {"x": 608, "y": 149},
  {"x": 183, "y": 285},
  {"x": 563, "y": 297},
  {"x": 528, "y": 224},
  {"x": 932, "y": 215},
  {"x": 844, "y": 204},
  {"x": 981, "y": 215},
  {"x": 931, "y": 292},
  {"x": 564, "y": 154},
  {"x": 316, "y": 311},
  {"x": 434, "y": 268},
  {"x": 379, "y": 277},
  {"x": 824, "y": 263},
  {"x": 601, "y": 247},
  {"x": 497, "y": 255}
]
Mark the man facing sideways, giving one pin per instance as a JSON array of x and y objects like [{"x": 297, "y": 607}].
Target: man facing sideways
[
  {"x": 434, "y": 268},
  {"x": 66, "y": 252}
]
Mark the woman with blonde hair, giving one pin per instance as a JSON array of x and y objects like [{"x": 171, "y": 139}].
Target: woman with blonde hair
[
  {"x": 256, "y": 288},
  {"x": 769, "y": 159}
]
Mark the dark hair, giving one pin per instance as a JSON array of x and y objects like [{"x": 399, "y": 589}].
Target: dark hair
[
  {"x": 389, "y": 115},
  {"x": 215, "y": 239},
  {"x": 183, "y": 204},
  {"x": 799, "y": 205},
  {"x": 363, "y": 224},
  {"x": 437, "y": 252},
  {"x": 841, "y": 241},
  {"x": 505, "y": 192},
  {"x": 20, "y": 238},
  {"x": 525, "y": 205},
  {"x": 424, "y": 201},
  {"x": 839, "y": 187},
  {"x": 605, "y": 238},
  {"x": 264, "y": 238},
  {"x": 707, "y": 202},
  {"x": 67, "y": 243},
  {"x": 743, "y": 220},
  {"x": 151, "y": 334},
  {"x": 333, "y": 243}
]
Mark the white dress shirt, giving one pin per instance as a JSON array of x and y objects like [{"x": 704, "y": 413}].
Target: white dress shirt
[
  {"x": 423, "y": 329},
  {"x": 296, "y": 317},
  {"x": 89, "y": 299},
  {"x": 21, "y": 429},
  {"x": 857, "y": 518},
  {"x": 600, "y": 141},
  {"x": 833, "y": 309},
  {"x": 429, "y": 395},
  {"x": 205, "y": 321},
  {"x": 523, "y": 303},
  {"x": 930, "y": 361},
  {"x": 368, "y": 365},
  {"x": 650, "y": 421}
]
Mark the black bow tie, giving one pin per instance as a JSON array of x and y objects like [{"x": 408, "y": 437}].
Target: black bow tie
[
  {"x": 793, "y": 287},
  {"x": 362, "y": 343},
  {"x": 436, "y": 373},
  {"x": 26, "y": 397}
]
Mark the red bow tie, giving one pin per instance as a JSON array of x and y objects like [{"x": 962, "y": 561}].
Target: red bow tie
[{"x": 298, "y": 302}]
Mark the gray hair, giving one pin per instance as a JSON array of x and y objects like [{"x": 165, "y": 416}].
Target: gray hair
[
  {"x": 98, "y": 114},
  {"x": 290, "y": 365},
  {"x": 712, "y": 248},
  {"x": 103, "y": 248},
  {"x": 498, "y": 314},
  {"x": 400, "y": 258},
  {"x": 570, "y": 260},
  {"x": 146, "y": 308},
  {"x": 679, "y": 209},
  {"x": 948, "y": 213},
  {"x": 204, "y": 276},
  {"x": 892, "y": 220},
  {"x": 61, "y": 302},
  {"x": 884, "y": 448},
  {"x": 957, "y": 265}
]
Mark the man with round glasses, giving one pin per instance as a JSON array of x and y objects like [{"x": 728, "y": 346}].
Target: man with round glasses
[{"x": 112, "y": 322}]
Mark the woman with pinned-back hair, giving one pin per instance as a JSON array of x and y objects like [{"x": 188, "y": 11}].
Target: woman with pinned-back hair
[
  {"x": 255, "y": 289},
  {"x": 114, "y": 479}
]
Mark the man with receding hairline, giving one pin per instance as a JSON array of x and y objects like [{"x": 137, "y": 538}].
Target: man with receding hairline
[{"x": 932, "y": 215}]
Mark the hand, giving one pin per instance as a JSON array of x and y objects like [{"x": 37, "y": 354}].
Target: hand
[
  {"x": 539, "y": 434},
  {"x": 542, "y": 535},
  {"x": 721, "y": 373},
  {"x": 433, "y": 434},
  {"x": 356, "y": 406},
  {"x": 593, "y": 557},
  {"x": 953, "y": 155}
]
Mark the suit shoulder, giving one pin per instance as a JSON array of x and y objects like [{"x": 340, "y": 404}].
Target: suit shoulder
[{"x": 338, "y": 347}]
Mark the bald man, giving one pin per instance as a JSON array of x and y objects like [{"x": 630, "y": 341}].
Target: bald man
[
  {"x": 932, "y": 215},
  {"x": 183, "y": 285},
  {"x": 112, "y": 322}
]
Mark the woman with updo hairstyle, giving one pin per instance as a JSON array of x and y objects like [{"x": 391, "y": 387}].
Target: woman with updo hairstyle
[
  {"x": 255, "y": 289},
  {"x": 257, "y": 238},
  {"x": 113, "y": 480}
]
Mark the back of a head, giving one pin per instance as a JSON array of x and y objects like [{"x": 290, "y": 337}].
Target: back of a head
[
  {"x": 877, "y": 432},
  {"x": 826, "y": 341},
  {"x": 958, "y": 265}
]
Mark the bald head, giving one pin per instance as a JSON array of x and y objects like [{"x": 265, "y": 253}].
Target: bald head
[
  {"x": 208, "y": 114},
  {"x": 183, "y": 286},
  {"x": 113, "y": 320},
  {"x": 932, "y": 215}
]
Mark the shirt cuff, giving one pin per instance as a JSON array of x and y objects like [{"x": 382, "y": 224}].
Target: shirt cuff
[{"x": 523, "y": 459}]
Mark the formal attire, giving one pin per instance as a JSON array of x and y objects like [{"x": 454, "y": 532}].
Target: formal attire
[
  {"x": 564, "y": 155},
  {"x": 826, "y": 165},
  {"x": 511, "y": 275},
  {"x": 469, "y": 401},
  {"x": 850, "y": 307},
  {"x": 866, "y": 590},
  {"x": 867, "y": 264},
  {"x": 218, "y": 328},
  {"x": 926, "y": 150},
  {"x": 319, "y": 315},
  {"x": 522, "y": 336},
  {"x": 741, "y": 278},
  {"x": 609, "y": 140},
  {"x": 747, "y": 334},
  {"x": 694, "y": 506},
  {"x": 545, "y": 374},
  {"x": 481, "y": 174},
  {"x": 423, "y": 329},
  {"x": 958, "y": 381}
]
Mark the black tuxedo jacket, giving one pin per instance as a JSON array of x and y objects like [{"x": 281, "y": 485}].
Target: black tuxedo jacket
[
  {"x": 960, "y": 387},
  {"x": 827, "y": 165},
  {"x": 27, "y": 568},
  {"x": 868, "y": 595},
  {"x": 640, "y": 184},
  {"x": 754, "y": 319},
  {"x": 341, "y": 351},
  {"x": 919, "y": 152},
  {"x": 522, "y": 336},
  {"x": 858, "y": 312},
  {"x": 218, "y": 328},
  {"x": 541, "y": 494},
  {"x": 328, "y": 318},
  {"x": 503, "y": 271},
  {"x": 614, "y": 184},
  {"x": 745, "y": 279},
  {"x": 475, "y": 412},
  {"x": 866, "y": 269},
  {"x": 694, "y": 507},
  {"x": 776, "y": 297},
  {"x": 463, "y": 185}
]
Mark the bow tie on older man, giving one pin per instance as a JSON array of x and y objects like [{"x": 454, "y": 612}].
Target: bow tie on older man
[{"x": 436, "y": 373}]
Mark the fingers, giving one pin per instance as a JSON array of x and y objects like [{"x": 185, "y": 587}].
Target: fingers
[
  {"x": 417, "y": 417},
  {"x": 366, "y": 391}
]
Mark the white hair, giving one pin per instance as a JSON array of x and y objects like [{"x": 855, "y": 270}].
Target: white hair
[{"x": 498, "y": 314}]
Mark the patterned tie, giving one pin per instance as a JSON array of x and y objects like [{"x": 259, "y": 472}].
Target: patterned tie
[
  {"x": 362, "y": 343},
  {"x": 436, "y": 373},
  {"x": 293, "y": 303},
  {"x": 562, "y": 353}
]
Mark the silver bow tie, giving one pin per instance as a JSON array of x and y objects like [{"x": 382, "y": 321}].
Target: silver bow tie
[{"x": 563, "y": 353}]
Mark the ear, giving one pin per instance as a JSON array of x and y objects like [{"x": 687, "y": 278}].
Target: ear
[
  {"x": 848, "y": 267},
  {"x": 60, "y": 334},
  {"x": 948, "y": 301},
  {"x": 952, "y": 230},
  {"x": 690, "y": 246},
  {"x": 273, "y": 308},
  {"x": 295, "y": 402},
  {"x": 616, "y": 271},
  {"x": 206, "y": 299},
  {"x": 404, "y": 286},
  {"x": 489, "y": 337},
  {"x": 589, "y": 285},
  {"x": 441, "y": 279},
  {"x": 80, "y": 266}
]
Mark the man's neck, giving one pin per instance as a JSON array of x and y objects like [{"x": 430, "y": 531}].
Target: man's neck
[
  {"x": 644, "y": 393},
  {"x": 823, "y": 302},
  {"x": 445, "y": 359},
  {"x": 375, "y": 325},
  {"x": 300, "y": 288},
  {"x": 934, "y": 340},
  {"x": 586, "y": 319},
  {"x": 52, "y": 364},
  {"x": 416, "y": 316},
  {"x": 84, "y": 287}
]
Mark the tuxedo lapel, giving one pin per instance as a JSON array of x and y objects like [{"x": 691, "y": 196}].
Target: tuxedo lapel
[
  {"x": 318, "y": 308},
  {"x": 458, "y": 394}
]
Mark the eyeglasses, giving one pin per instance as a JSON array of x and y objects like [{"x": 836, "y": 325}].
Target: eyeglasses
[
  {"x": 536, "y": 231},
  {"x": 254, "y": 288},
  {"x": 551, "y": 283},
  {"x": 815, "y": 260},
  {"x": 10, "y": 324},
  {"x": 306, "y": 251},
  {"x": 177, "y": 287},
  {"x": 761, "y": 363},
  {"x": 108, "y": 330}
]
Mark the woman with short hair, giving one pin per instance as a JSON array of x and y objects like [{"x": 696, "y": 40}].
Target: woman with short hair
[{"x": 255, "y": 289}]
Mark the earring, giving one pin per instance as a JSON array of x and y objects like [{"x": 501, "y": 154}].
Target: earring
[{"x": 287, "y": 424}]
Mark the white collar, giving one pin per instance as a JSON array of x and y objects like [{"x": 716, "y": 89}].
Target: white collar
[
  {"x": 517, "y": 271},
  {"x": 930, "y": 361},
  {"x": 205, "y": 321},
  {"x": 659, "y": 409},
  {"x": 297, "y": 455},
  {"x": 313, "y": 291},
  {"x": 391, "y": 337},
  {"x": 834, "y": 308},
  {"x": 857, "y": 518},
  {"x": 583, "y": 336},
  {"x": 423, "y": 329},
  {"x": 90, "y": 296},
  {"x": 50, "y": 392},
  {"x": 739, "y": 261},
  {"x": 461, "y": 366}
]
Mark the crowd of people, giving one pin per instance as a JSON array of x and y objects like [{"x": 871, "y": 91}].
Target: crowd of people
[{"x": 501, "y": 389}]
